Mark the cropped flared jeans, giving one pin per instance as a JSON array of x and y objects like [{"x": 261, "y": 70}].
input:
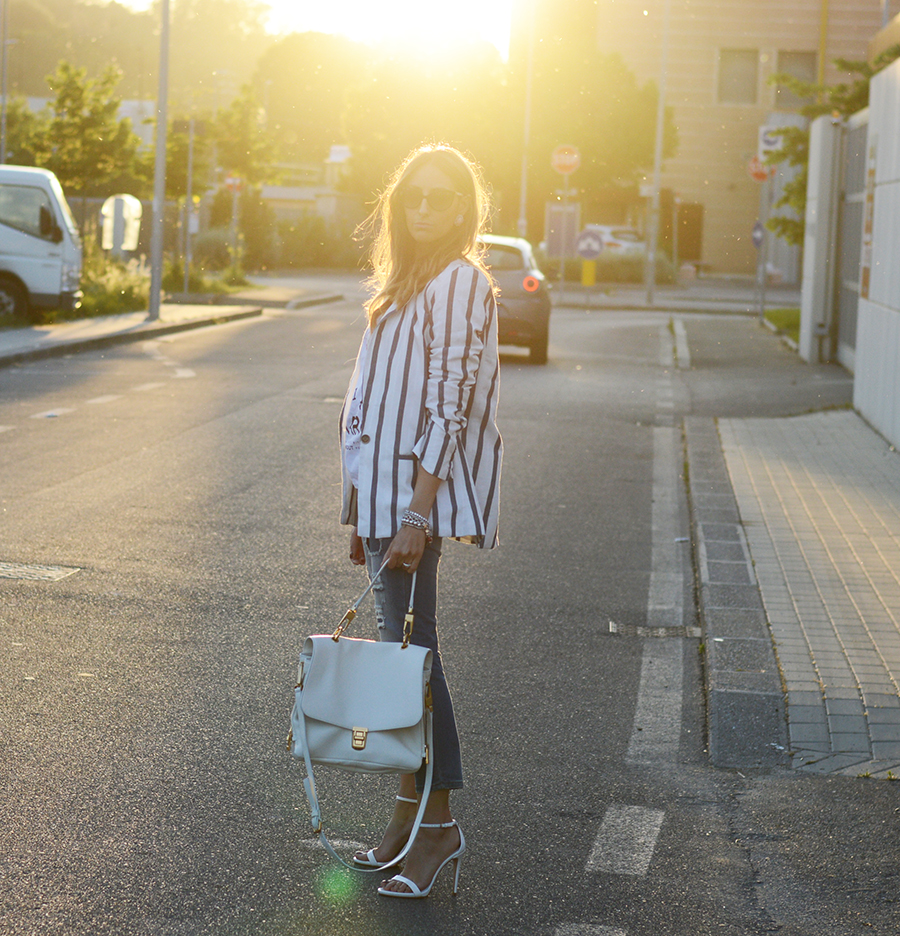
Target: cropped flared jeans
[{"x": 391, "y": 604}]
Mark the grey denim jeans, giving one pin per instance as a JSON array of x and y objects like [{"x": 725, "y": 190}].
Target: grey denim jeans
[{"x": 391, "y": 603}]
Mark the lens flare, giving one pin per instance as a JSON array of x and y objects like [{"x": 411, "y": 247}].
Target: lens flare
[{"x": 336, "y": 886}]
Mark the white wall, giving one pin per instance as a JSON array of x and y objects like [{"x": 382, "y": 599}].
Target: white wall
[
  {"x": 876, "y": 389},
  {"x": 817, "y": 294}
]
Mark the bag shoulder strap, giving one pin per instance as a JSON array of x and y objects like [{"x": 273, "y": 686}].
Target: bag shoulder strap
[{"x": 309, "y": 782}]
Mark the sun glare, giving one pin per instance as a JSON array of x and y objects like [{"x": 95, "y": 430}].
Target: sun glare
[{"x": 430, "y": 28}]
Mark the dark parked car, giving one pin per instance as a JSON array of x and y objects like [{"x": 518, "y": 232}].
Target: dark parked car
[{"x": 524, "y": 302}]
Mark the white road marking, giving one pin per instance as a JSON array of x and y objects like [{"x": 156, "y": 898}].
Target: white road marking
[
  {"x": 53, "y": 413},
  {"x": 655, "y": 738},
  {"x": 184, "y": 372},
  {"x": 147, "y": 386},
  {"x": 587, "y": 929},
  {"x": 657, "y": 718},
  {"x": 108, "y": 398},
  {"x": 666, "y": 347},
  {"x": 6, "y": 428},
  {"x": 626, "y": 840},
  {"x": 343, "y": 844},
  {"x": 665, "y": 604},
  {"x": 682, "y": 351}
]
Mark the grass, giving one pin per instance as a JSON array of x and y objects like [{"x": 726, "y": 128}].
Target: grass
[{"x": 786, "y": 321}]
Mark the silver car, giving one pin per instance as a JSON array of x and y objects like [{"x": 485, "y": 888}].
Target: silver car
[{"x": 524, "y": 301}]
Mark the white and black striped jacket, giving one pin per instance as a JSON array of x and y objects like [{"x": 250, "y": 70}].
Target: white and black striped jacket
[{"x": 431, "y": 381}]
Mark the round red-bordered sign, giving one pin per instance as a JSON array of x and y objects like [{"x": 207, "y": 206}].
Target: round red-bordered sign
[
  {"x": 758, "y": 170},
  {"x": 565, "y": 159}
]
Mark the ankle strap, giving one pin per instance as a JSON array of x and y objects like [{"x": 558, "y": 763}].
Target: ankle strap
[{"x": 438, "y": 825}]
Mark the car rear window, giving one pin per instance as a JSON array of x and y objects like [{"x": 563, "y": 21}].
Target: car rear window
[{"x": 504, "y": 258}]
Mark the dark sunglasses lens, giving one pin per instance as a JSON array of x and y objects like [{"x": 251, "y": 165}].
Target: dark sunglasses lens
[
  {"x": 411, "y": 197},
  {"x": 439, "y": 199}
]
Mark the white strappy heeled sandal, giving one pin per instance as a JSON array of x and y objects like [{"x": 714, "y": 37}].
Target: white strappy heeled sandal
[
  {"x": 414, "y": 890},
  {"x": 369, "y": 860}
]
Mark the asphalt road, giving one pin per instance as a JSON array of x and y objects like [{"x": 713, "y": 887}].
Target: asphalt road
[{"x": 193, "y": 484}]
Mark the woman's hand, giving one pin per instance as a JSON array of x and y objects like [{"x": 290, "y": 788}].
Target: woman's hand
[
  {"x": 406, "y": 549},
  {"x": 357, "y": 550}
]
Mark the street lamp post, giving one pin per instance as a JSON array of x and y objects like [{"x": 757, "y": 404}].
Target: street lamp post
[
  {"x": 159, "y": 168},
  {"x": 4, "y": 40},
  {"x": 653, "y": 226},
  {"x": 529, "y": 76}
]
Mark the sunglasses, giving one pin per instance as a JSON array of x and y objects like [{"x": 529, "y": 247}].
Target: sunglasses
[{"x": 439, "y": 199}]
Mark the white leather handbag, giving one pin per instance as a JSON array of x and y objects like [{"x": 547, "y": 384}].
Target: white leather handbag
[{"x": 363, "y": 706}]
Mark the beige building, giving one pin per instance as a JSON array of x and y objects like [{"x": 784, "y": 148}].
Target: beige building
[{"x": 721, "y": 54}]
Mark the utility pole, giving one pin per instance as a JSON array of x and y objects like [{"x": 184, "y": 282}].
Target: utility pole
[
  {"x": 523, "y": 188},
  {"x": 159, "y": 168},
  {"x": 653, "y": 226},
  {"x": 4, "y": 38}
]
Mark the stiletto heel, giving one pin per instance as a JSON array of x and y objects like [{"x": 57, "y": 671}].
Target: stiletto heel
[
  {"x": 369, "y": 860},
  {"x": 415, "y": 891}
]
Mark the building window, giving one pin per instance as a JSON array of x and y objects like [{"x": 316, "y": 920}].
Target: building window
[
  {"x": 802, "y": 65},
  {"x": 738, "y": 76}
]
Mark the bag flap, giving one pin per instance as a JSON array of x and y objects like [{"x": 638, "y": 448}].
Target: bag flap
[{"x": 364, "y": 683}]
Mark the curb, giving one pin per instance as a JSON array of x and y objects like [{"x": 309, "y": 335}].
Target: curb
[
  {"x": 114, "y": 338},
  {"x": 684, "y": 306},
  {"x": 220, "y": 317},
  {"x": 224, "y": 299},
  {"x": 746, "y": 715}
]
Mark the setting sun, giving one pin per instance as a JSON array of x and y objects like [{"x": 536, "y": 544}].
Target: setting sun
[{"x": 430, "y": 28}]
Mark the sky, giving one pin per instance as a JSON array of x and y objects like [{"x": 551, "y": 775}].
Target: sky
[{"x": 431, "y": 26}]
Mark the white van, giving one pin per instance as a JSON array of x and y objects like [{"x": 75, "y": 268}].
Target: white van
[{"x": 40, "y": 250}]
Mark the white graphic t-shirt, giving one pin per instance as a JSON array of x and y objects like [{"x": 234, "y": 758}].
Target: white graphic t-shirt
[{"x": 353, "y": 418}]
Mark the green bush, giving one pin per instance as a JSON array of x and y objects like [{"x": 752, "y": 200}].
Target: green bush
[
  {"x": 786, "y": 321},
  {"x": 173, "y": 280},
  {"x": 211, "y": 250},
  {"x": 110, "y": 286},
  {"x": 612, "y": 269},
  {"x": 307, "y": 242}
]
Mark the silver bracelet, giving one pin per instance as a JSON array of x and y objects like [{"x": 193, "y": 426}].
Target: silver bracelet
[{"x": 411, "y": 519}]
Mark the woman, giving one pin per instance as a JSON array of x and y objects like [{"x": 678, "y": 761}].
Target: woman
[{"x": 421, "y": 451}]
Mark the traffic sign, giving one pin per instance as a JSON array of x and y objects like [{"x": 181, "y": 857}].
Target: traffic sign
[
  {"x": 769, "y": 140},
  {"x": 759, "y": 233},
  {"x": 233, "y": 183},
  {"x": 565, "y": 159},
  {"x": 758, "y": 170},
  {"x": 590, "y": 244}
]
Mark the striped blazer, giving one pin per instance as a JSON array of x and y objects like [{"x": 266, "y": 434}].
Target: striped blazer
[{"x": 430, "y": 375}]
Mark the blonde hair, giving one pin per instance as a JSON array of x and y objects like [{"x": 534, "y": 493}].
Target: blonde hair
[{"x": 398, "y": 272}]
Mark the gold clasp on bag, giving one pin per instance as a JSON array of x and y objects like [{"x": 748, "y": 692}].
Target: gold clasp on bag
[
  {"x": 359, "y": 738},
  {"x": 407, "y": 629},
  {"x": 345, "y": 623}
]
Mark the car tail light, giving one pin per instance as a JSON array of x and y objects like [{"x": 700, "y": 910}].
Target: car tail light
[{"x": 531, "y": 284}]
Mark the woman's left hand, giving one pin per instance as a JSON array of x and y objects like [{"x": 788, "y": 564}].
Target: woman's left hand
[{"x": 406, "y": 549}]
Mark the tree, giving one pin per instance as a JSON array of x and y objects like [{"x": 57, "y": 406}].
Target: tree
[
  {"x": 842, "y": 100},
  {"x": 460, "y": 98},
  {"x": 90, "y": 149},
  {"x": 24, "y": 130},
  {"x": 214, "y": 48},
  {"x": 243, "y": 146},
  {"x": 303, "y": 81},
  {"x": 593, "y": 101}
]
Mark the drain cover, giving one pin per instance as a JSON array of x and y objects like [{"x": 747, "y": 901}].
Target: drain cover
[{"x": 34, "y": 573}]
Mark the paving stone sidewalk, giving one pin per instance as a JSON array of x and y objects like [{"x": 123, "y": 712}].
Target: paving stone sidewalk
[{"x": 819, "y": 502}]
